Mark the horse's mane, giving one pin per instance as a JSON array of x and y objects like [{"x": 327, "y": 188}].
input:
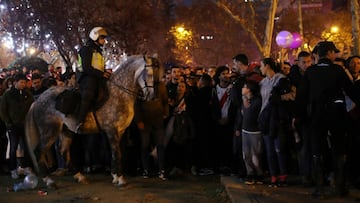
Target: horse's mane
[{"x": 127, "y": 61}]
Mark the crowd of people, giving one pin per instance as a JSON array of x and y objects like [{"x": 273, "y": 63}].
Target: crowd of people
[
  {"x": 259, "y": 122},
  {"x": 268, "y": 121}
]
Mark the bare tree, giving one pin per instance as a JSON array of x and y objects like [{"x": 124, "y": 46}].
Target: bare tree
[
  {"x": 355, "y": 26},
  {"x": 249, "y": 21},
  {"x": 66, "y": 23}
]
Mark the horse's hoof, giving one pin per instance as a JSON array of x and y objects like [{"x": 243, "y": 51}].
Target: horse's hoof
[
  {"x": 84, "y": 181},
  {"x": 122, "y": 184},
  {"x": 50, "y": 183},
  {"x": 118, "y": 180},
  {"x": 81, "y": 178}
]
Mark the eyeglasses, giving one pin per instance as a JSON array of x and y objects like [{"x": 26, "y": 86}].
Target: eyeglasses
[{"x": 102, "y": 37}]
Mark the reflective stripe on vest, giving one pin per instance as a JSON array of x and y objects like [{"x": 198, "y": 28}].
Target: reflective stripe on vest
[{"x": 79, "y": 65}]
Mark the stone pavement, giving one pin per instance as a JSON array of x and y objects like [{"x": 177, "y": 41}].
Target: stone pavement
[{"x": 238, "y": 192}]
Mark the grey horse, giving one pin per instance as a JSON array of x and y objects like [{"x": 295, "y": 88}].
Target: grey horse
[{"x": 44, "y": 124}]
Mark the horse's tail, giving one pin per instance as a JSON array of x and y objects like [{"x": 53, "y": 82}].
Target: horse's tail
[{"x": 32, "y": 136}]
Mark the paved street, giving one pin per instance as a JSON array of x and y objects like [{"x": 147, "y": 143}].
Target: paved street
[
  {"x": 241, "y": 193},
  {"x": 184, "y": 188}
]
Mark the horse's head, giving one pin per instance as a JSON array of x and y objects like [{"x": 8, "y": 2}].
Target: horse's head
[
  {"x": 138, "y": 76},
  {"x": 148, "y": 78}
]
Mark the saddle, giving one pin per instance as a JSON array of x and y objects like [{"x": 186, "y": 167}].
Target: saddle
[{"x": 68, "y": 102}]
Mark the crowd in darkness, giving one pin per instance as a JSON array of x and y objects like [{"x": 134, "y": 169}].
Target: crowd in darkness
[{"x": 260, "y": 122}]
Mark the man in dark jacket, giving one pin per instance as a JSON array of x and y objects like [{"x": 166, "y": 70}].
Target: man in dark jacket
[
  {"x": 149, "y": 117},
  {"x": 93, "y": 73},
  {"x": 14, "y": 106},
  {"x": 320, "y": 97}
]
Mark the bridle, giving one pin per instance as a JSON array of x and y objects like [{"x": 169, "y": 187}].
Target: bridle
[{"x": 138, "y": 94}]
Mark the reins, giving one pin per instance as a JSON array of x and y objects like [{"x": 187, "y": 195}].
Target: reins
[{"x": 133, "y": 92}]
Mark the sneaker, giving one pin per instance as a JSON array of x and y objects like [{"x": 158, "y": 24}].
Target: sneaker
[
  {"x": 249, "y": 181},
  {"x": 282, "y": 181},
  {"x": 14, "y": 174},
  {"x": 273, "y": 182},
  {"x": 162, "y": 175},
  {"x": 273, "y": 185},
  {"x": 259, "y": 180},
  {"x": 145, "y": 174}
]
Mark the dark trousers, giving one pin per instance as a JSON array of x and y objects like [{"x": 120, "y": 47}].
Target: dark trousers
[
  {"x": 17, "y": 136},
  {"x": 153, "y": 127},
  {"x": 224, "y": 145},
  {"x": 331, "y": 130},
  {"x": 353, "y": 151},
  {"x": 304, "y": 152},
  {"x": 180, "y": 155},
  {"x": 204, "y": 144},
  {"x": 275, "y": 155},
  {"x": 77, "y": 153},
  {"x": 88, "y": 89},
  {"x": 3, "y": 146}
]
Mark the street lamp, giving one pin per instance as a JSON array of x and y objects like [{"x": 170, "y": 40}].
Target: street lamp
[
  {"x": 180, "y": 29},
  {"x": 183, "y": 42},
  {"x": 334, "y": 29},
  {"x": 331, "y": 34},
  {"x": 181, "y": 33}
]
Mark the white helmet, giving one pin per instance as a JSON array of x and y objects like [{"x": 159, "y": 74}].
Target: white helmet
[{"x": 96, "y": 32}]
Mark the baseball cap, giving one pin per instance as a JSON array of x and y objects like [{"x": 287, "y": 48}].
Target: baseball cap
[{"x": 324, "y": 46}]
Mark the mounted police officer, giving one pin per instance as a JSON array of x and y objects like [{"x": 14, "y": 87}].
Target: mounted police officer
[
  {"x": 320, "y": 98},
  {"x": 93, "y": 73}
]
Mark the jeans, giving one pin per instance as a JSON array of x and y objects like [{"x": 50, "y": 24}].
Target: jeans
[
  {"x": 252, "y": 150},
  {"x": 16, "y": 134},
  {"x": 275, "y": 157},
  {"x": 304, "y": 153}
]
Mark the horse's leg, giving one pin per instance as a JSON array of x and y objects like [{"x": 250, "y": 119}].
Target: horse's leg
[
  {"x": 116, "y": 166},
  {"x": 62, "y": 151},
  {"x": 75, "y": 156},
  {"x": 43, "y": 166},
  {"x": 65, "y": 149},
  {"x": 49, "y": 135}
]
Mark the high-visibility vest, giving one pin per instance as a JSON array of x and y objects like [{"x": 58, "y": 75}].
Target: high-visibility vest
[{"x": 97, "y": 62}]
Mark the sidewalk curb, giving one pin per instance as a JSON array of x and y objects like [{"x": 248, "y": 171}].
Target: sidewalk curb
[
  {"x": 235, "y": 190},
  {"x": 238, "y": 192}
]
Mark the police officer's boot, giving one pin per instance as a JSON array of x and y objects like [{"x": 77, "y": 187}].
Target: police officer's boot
[{"x": 84, "y": 108}]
